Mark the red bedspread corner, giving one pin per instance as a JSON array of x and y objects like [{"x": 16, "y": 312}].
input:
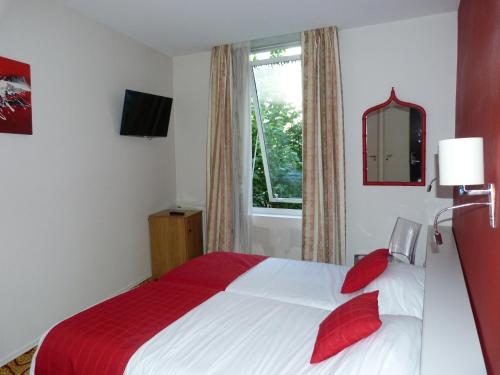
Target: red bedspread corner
[{"x": 102, "y": 339}]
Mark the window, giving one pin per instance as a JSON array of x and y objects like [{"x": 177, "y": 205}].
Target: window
[{"x": 276, "y": 115}]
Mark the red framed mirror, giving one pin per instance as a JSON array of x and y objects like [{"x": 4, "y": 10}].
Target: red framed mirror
[{"x": 394, "y": 143}]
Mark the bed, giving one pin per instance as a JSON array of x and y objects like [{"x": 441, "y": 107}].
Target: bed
[
  {"x": 312, "y": 284},
  {"x": 261, "y": 336},
  {"x": 317, "y": 285},
  {"x": 228, "y": 313},
  {"x": 207, "y": 317}
]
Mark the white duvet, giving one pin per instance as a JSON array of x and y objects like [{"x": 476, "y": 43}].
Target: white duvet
[
  {"x": 239, "y": 334},
  {"x": 318, "y": 285}
]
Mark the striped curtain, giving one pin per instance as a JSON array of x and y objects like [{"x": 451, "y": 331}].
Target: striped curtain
[
  {"x": 220, "y": 205},
  {"x": 323, "y": 190}
]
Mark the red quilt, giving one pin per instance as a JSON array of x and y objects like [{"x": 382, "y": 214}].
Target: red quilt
[
  {"x": 101, "y": 339},
  {"x": 214, "y": 270}
]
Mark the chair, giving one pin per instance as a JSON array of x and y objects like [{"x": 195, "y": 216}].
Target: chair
[{"x": 404, "y": 238}]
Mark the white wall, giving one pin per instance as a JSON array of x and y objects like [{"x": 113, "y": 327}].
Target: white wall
[
  {"x": 191, "y": 88},
  {"x": 417, "y": 57},
  {"x": 74, "y": 196},
  {"x": 277, "y": 236}
]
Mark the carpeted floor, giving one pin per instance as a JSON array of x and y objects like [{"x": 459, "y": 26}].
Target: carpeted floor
[{"x": 19, "y": 366}]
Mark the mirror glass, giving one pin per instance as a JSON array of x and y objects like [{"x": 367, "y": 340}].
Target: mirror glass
[{"x": 394, "y": 144}]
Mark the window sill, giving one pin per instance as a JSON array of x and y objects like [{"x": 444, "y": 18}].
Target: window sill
[{"x": 277, "y": 212}]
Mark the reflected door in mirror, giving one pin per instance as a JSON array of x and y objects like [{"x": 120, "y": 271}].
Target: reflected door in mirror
[{"x": 394, "y": 144}]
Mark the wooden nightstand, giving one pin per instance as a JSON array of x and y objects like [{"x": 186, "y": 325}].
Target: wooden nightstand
[{"x": 175, "y": 239}]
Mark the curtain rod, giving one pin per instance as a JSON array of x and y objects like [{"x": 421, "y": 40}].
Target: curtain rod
[{"x": 266, "y": 44}]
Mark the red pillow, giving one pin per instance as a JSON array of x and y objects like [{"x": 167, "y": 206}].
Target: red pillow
[
  {"x": 347, "y": 324},
  {"x": 365, "y": 271}
]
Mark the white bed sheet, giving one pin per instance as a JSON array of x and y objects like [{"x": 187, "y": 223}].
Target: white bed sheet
[
  {"x": 239, "y": 334},
  {"x": 306, "y": 283},
  {"x": 318, "y": 285}
]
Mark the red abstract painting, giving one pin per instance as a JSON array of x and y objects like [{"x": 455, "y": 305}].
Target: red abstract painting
[{"x": 15, "y": 97}]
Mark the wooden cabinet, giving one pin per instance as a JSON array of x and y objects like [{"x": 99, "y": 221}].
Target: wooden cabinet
[{"x": 174, "y": 239}]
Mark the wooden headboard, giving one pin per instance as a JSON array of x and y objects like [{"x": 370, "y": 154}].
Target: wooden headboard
[{"x": 450, "y": 343}]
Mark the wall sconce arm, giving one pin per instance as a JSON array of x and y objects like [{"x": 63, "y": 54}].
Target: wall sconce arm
[
  {"x": 437, "y": 235},
  {"x": 462, "y": 190}
]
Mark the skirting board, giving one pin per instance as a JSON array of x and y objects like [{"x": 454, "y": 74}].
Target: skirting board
[{"x": 23, "y": 349}]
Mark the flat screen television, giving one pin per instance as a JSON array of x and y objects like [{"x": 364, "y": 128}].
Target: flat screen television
[{"x": 145, "y": 115}]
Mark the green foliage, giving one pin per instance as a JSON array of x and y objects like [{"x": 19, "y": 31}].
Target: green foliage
[
  {"x": 282, "y": 125},
  {"x": 278, "y": 52}
]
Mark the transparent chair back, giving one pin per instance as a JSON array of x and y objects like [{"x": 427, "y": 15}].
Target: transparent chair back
[{"x": 404, "y": 238}]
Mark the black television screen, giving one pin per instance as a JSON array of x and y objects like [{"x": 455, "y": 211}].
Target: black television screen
[{"x": 145, "y": 115}]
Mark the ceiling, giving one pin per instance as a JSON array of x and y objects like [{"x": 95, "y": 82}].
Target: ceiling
[{"x": 180, "y": 27}]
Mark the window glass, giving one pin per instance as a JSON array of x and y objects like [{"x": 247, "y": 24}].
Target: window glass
[{"x": 276, "y": 112}]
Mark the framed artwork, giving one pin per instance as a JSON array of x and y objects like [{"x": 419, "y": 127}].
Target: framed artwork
[{"x": 15, "y": 97}]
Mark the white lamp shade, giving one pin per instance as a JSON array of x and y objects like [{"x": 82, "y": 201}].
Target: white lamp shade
[{"x": 461, "y": 161}]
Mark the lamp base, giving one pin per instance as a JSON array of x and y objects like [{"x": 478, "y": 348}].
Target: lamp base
[
  {"x": 491, "y": 193},
  {"x": 492, "y": 197}
]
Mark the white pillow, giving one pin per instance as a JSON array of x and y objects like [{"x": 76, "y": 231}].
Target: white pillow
[{"x": 401, "y": 288}]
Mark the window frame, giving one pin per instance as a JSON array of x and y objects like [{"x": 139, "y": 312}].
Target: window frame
[
  {"x": 289, "y": 213},
  {"x": 258, "y": 117}
]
